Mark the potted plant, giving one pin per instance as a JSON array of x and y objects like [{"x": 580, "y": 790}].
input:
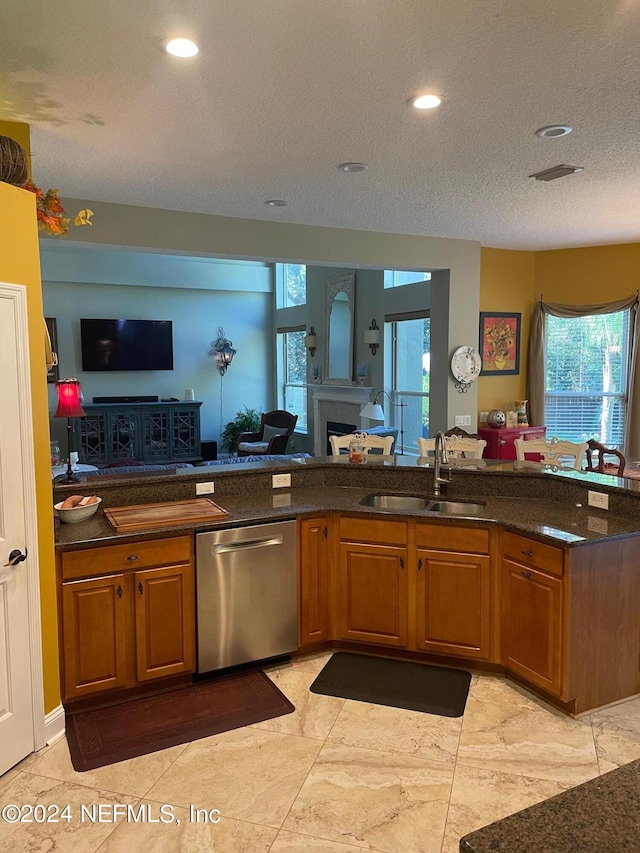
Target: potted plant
[{"x": 246, "y": 420}]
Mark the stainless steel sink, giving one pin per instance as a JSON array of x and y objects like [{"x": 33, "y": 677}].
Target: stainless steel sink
[
  {"x": 395, "y": 502},
  {"x": 455, "y": 507}
]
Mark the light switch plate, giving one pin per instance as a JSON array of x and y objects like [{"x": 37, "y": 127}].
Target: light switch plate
[
  {"x": 483, "y": 417},
  {"x": 280, "y": 481},
  {"x": 204, "y": 488},
  {"x": 462, "y": 420}
]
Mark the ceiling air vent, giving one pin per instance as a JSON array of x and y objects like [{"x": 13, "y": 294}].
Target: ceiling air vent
[{"x": 556, "y": 172}]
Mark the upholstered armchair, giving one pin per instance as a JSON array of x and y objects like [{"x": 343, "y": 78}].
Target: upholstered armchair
[{"x": 271, "y": 438}]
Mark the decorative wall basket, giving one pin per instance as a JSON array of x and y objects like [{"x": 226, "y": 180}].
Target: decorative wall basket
[{"x": 13, "y": 162}]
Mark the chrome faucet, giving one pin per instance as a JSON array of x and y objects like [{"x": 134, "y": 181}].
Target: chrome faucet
[{"x": 441, "y": 457}]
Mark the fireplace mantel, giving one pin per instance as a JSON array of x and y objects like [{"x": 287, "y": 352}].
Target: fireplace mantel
[{"x": 335, "y": 403}]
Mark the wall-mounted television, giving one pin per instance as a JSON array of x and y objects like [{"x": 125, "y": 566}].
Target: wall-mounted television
[{"x": 126, "y": 344}]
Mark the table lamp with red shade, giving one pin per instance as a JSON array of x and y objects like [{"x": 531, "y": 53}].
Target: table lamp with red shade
[{"x": 69, "y": 396}]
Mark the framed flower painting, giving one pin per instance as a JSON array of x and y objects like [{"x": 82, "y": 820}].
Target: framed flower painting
[{"x": 499, "y": 343}]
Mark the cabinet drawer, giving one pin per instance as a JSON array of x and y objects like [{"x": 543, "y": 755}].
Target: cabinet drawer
[
  {"x": 371, "y": 530},
  {"x": 449, "y": 537},
  {"x": 533, "y": 553},
  {"x": 118, "y": 558}
]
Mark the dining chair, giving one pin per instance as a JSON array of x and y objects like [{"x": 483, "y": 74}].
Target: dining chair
[
  {"x": 552, "y": 450},
  {"x": 460, "y": 446},
  {"x": 378, "y": 443},
  {"x": 596, "y": 458}
]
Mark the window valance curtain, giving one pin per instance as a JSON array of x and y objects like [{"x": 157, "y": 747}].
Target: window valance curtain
[{"x": 535, "y": 374}]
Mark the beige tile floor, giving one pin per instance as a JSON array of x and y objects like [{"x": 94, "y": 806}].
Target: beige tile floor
[{"x": 333, "y": 777}]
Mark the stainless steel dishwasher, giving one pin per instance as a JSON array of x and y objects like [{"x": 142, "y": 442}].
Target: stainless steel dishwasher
[{"x": 246, "y": 594}]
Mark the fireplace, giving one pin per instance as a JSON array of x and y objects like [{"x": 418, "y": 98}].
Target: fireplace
[
  {"x": 337, "y": 428},
  {"x": 337, "y": 403}
]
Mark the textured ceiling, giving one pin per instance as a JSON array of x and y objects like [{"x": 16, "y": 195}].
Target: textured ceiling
[{"x": 284, "y": 90}]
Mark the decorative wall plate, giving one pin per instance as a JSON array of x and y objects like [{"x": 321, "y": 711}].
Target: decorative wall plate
[{"x": 466, "y": 365}]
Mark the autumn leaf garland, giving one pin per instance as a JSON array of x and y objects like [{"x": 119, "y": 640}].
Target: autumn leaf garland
[{"x": 52, "y": 218}]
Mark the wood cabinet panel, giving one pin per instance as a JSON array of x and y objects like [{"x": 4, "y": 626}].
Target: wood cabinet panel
[
  {"x": 93, "y": 632},
  {"x": 533, "y": 553},
  {"x": 375, "y": 531},
  {"x": 531, "y": 608},
  {"x": 453, "y": 603},
  {"x": 500, "y": 442},
  {"x": 373, "y": 595},
  {"x": 164, "y": 621},
  {"x": 313, "y": 586},
  {"x": 90, "y": 562},
  {"x": 449, "y": 537}
]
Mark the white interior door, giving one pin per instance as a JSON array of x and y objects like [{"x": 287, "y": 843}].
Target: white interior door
[{"x": 16, "y": 712}]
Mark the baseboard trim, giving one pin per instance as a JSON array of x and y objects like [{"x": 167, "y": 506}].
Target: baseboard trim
[{"x": 54, "y": 725}]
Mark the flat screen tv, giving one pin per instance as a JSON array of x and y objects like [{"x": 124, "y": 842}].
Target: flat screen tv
[{"x": 126, "y": 344}]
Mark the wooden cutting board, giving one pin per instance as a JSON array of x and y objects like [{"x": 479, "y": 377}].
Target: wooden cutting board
[{"x": 163, "y": 514}]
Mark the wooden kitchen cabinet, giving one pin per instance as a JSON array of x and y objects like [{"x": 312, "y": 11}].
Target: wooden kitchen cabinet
[
  {"x": 532, "y": 601},
  {"x": 127, "y": 615},
  {"x": 500, "y": 441},
  {"x": 453, "y": 591},
  {"x": 314, "y": 623},
  {"x": 373, "y": 582}
]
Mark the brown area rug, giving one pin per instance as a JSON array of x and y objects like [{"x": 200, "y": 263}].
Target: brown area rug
[{"x": 108, "y": 735}]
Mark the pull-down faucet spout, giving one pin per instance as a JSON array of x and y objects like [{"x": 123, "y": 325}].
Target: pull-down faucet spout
[{"x": 441, "y": 457}]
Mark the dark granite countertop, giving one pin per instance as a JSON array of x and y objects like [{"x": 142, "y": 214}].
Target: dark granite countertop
[
  {"x": 599, "y": 816},
  {"x": 567, "y": 521}
]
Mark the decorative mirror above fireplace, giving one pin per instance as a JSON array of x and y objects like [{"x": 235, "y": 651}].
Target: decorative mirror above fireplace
[{"x": 338, "y": 351}]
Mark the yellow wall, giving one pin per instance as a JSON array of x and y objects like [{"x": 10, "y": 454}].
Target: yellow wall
[
  {"x": 18, "y": 131},
  {"x": 20, "y": 264},
  {"x": 589, "y": 275},
  {"x": 506, "y": 284}
]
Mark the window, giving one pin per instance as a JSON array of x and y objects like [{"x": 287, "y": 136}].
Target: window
[
  {"x": 291, "y": 285},
  {"x": 586, "y": 369},
  {"x": 411, "y": 365},
  {"x": 292, "y": 375},
  {"x": 398, "y": 278}
]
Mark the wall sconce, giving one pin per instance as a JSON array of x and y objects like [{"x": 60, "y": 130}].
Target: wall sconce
[
  {"x": 69, "y": 406},
  {"x": 223, "y": 352},
  {"x": 372, "y": 337},
  {"x": 311, "y": 341}
]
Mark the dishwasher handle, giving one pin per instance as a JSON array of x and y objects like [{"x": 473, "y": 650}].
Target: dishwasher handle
[{"x": 247, "y": 545}]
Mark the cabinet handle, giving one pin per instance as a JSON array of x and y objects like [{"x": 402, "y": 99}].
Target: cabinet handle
[
  {"x": 501, "y": 441},
  {"x": 419, "y": 565},
  {"x": 401, "y": 563},
  {"x": 528, "y": 553},
  {"x": 140, "y": 587},
  {"x": 325, "y": 532},
  {"x": 526, "y": 574},
  {"x": 133, "y": 557},
  {"x": 119, "y": 591}
]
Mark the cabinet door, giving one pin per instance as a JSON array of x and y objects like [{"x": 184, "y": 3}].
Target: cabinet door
[
  {"x": 185, "y": 433},
  {"x": 122, "y": 437},
  {"x": 93, "y": 635},
  {"x": 155, "y": 435},
  {"x": 164, "y": 620},
  {"x": 454, "y": 603},
  {"x": 313, "y": 586},
  {"x": 91, "y": 434},
  {"x": 373, "y": 594},
  {"x": 532, "y": 625}
]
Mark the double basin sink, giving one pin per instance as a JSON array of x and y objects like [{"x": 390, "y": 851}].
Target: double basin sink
[{"x": 410, "y": 502}]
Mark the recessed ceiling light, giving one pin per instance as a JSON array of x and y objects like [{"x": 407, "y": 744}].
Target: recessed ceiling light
[
  {"x": 353, "y": 167},
  {"x": 276, "y": 202},
  {"x": 184, "y": 48},
  {"x": 553, "y": 131},
  {"x": 426, "y": 102}
]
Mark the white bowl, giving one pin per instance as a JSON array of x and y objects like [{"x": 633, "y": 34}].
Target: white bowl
[{"x": 74, "y": 514}]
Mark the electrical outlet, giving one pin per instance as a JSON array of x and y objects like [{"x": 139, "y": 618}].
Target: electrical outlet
[
  {"x": 598, "y": 499},
  {"x": 483, "y": 417},
  {"x": 597, "y": 525},
  {"x": 280, "y": 481},
  {"x": 462, "y": 420},
  {"x": 204, "y": 488},
  {"x": 281, "y": 500}
]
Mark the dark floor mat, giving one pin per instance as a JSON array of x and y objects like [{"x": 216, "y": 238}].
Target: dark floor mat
[
  {"x": 400, "y": 684},
  {"x": 108, "y": 735}
]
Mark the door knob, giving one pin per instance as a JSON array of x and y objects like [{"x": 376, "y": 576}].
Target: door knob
[{"x": 16, "y": 556}]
